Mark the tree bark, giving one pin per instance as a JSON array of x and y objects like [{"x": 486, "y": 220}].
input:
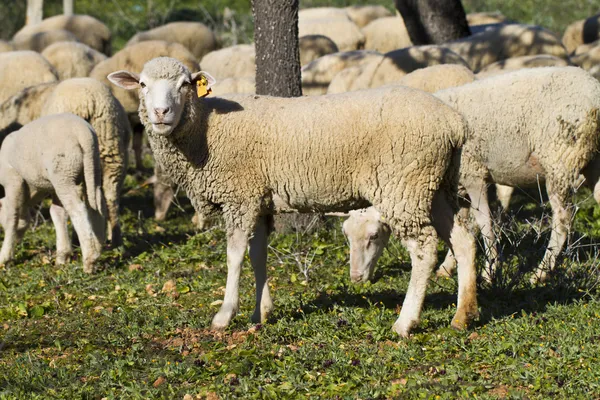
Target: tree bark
[
  {"x": 68, "y": 7},
  {"x": 35, "y": 12},
  {"x": 433, "y": 21},
  {"x": 276, "y": 41}
]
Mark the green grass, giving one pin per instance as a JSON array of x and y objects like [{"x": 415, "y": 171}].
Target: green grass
[{"x": 117, "y": 334}]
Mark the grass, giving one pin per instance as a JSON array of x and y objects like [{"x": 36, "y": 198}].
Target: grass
[{"x": 138, "y": 329}]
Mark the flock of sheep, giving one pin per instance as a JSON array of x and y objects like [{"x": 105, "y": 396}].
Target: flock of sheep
[{"x": 429, "y": 130}]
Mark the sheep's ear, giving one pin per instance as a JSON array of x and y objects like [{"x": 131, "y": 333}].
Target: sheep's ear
[
  {"x": 202, "y": 76},
  {"x": 125, "y": 79}
]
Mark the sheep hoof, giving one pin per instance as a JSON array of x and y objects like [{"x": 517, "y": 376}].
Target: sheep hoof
[
  {"x": 221, "y": 320},
  {"x": 462, "y": 320},
  {"x": 403, "y": 329},
  {"x": 62, "y": 258},
  {"x": 89, "y": 268}
]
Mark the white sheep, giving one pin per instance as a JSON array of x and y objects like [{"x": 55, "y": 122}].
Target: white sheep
[
  {"x": 314, "y": 46},
  {"x": 333, "y": 23},
  {"x": 363, "y": 15},
  {"x": 21, "y": 69},
  {"x": 325, "y": 153},
  {"x": 516, "y": 63},
  {"x": 317, "y": 75},
  {"x": 72, "y": 59},
  {"x": 506, "y": 41},
  {"x": 40, "y": 40},
  {"x": 524, "y": 127},
  {"x": 86, "y": 29},
  {"x": 386, "y": 34},
  {"x": 198, "y": 38},
  {"x": 58, "y": 156},
  {"x": 231, "y": 62},
  {"x": 486, "y": 18},
  {"x": 438, "y": 77},
  {"x": 391, "y": 67},
  {"x": 92, "y": 101}
]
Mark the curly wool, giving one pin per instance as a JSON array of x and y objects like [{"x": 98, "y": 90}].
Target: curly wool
[{"x": 257, "y": 155}]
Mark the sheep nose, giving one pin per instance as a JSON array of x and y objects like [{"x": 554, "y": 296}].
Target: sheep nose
[{"x": 160, "y": 112}]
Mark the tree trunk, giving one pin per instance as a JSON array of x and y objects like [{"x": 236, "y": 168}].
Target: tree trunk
[
  {"x": 276, "y": 41},
  {"x": 68, "y": 7},
  {"x": 35, "y": 12},
  {"x": 433, "y": 21}
]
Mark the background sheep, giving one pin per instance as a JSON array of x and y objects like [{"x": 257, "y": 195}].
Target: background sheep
[
  {"x": 40, "y": 40},
  {"x": 513, "y": 64},
  {"x": 20, "y": 69},
  {"x": 86, "y": 29},
  {"x": 6, "y": 46},
  {"x": 231, "y": 62},
  {"x": 386, "y": 34},
  {"x": 234, "y": 85},
  {"x": 341, "y": 177},
  {"x": 392, "y": 67},
  {"x": 314, "y": 46},
  {"x": 581, "y": 32},
  {"x": 317, "y": 75},
  {"x": 506, "y": 41},
  {"x": 92, "y": 101},
  {"x": 587, "y": 60},
  {"x": 71, "y": 59},
  {"x": 438, "y": 77},
  {"x": 523, "y": 126},
  {"x": 198, "y": 38},
  {"x": 333, "y": 23},
  {"x": 55, "y": 155},
  {"x": 486, "y": 18},
  {"x": 363, "y": 15}
]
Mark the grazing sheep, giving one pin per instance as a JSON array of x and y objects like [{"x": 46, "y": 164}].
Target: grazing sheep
[
  {"x": 55, "y": 155},
  {"x": 581, "y": 32},
  {"x": 87, "y": 30},
  {"x": 317, "y": 75},
  {"x": 333, "y": 23},
  {"x": 315, "y": 46},
  {"x": 391, "y": 67},
  {"x": 72, "y": 60},
  {"x": 40, "y": 40},
  {"x": 506, "y": 41},
  {"x": 516, "y": 63},
  {"x": 524, "y": 127},
  {"x": 134, "y": 57},
  {"x": 21, "y": 69},
  {"x": 329, "y": 139},
  {"x": 438, "y": 77},
  {"x": 198, "y": 38},
  {"x": 363, "y": 15},
  {"x": 231, "y": 62},
  {"x": 386, "y": 34},
  {"x": 92, "y": 101}
]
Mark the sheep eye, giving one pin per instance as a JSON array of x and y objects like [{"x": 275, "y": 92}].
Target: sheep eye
[
  {"x": 142, "y": 84},
  {"x": 374, "y": 236}
]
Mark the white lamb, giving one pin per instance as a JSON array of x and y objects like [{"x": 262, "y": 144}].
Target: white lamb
[
  {"x": 253, "y": 156},
  {"x": 55, "y": 155}
]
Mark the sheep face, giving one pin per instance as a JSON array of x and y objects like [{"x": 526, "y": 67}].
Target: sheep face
[
  {"x": 367, "y": 236},
  {"x": 164, "y": 86}
]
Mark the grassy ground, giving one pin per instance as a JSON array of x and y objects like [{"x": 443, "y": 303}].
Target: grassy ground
[{"x": 138, "y": 328}]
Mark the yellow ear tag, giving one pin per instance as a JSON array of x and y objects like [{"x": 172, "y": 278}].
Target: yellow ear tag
[{"x": 202, "y": 87}]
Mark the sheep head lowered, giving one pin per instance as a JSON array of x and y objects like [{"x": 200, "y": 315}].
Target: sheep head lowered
[
  {"x": 165, "y": 85},
  {"x": 368, "y": 235}
]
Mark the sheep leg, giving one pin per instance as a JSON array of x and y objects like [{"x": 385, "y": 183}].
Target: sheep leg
[
  {"x": 449, "y": 264},
  {"x": 11, "y": 208},
  {"x": 258, "y": 259},
  {"x": 237, "y": 241},
  {"x": 111, "y": 184},
  {"x": 504, "y": 193},
  {"x": 452, "y": 228},
  {"x": 163, "y": 194},
  {"x": 63, "y": 241},
  {"x": 561, "y": 224},
  {"x": 480, "y": 207},
  {"x": 423, "y": 255},
  {"x": 71, "y": 197}
]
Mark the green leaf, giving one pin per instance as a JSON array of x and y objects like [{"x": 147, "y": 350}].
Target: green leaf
[{"x": 36, "y": 311}]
